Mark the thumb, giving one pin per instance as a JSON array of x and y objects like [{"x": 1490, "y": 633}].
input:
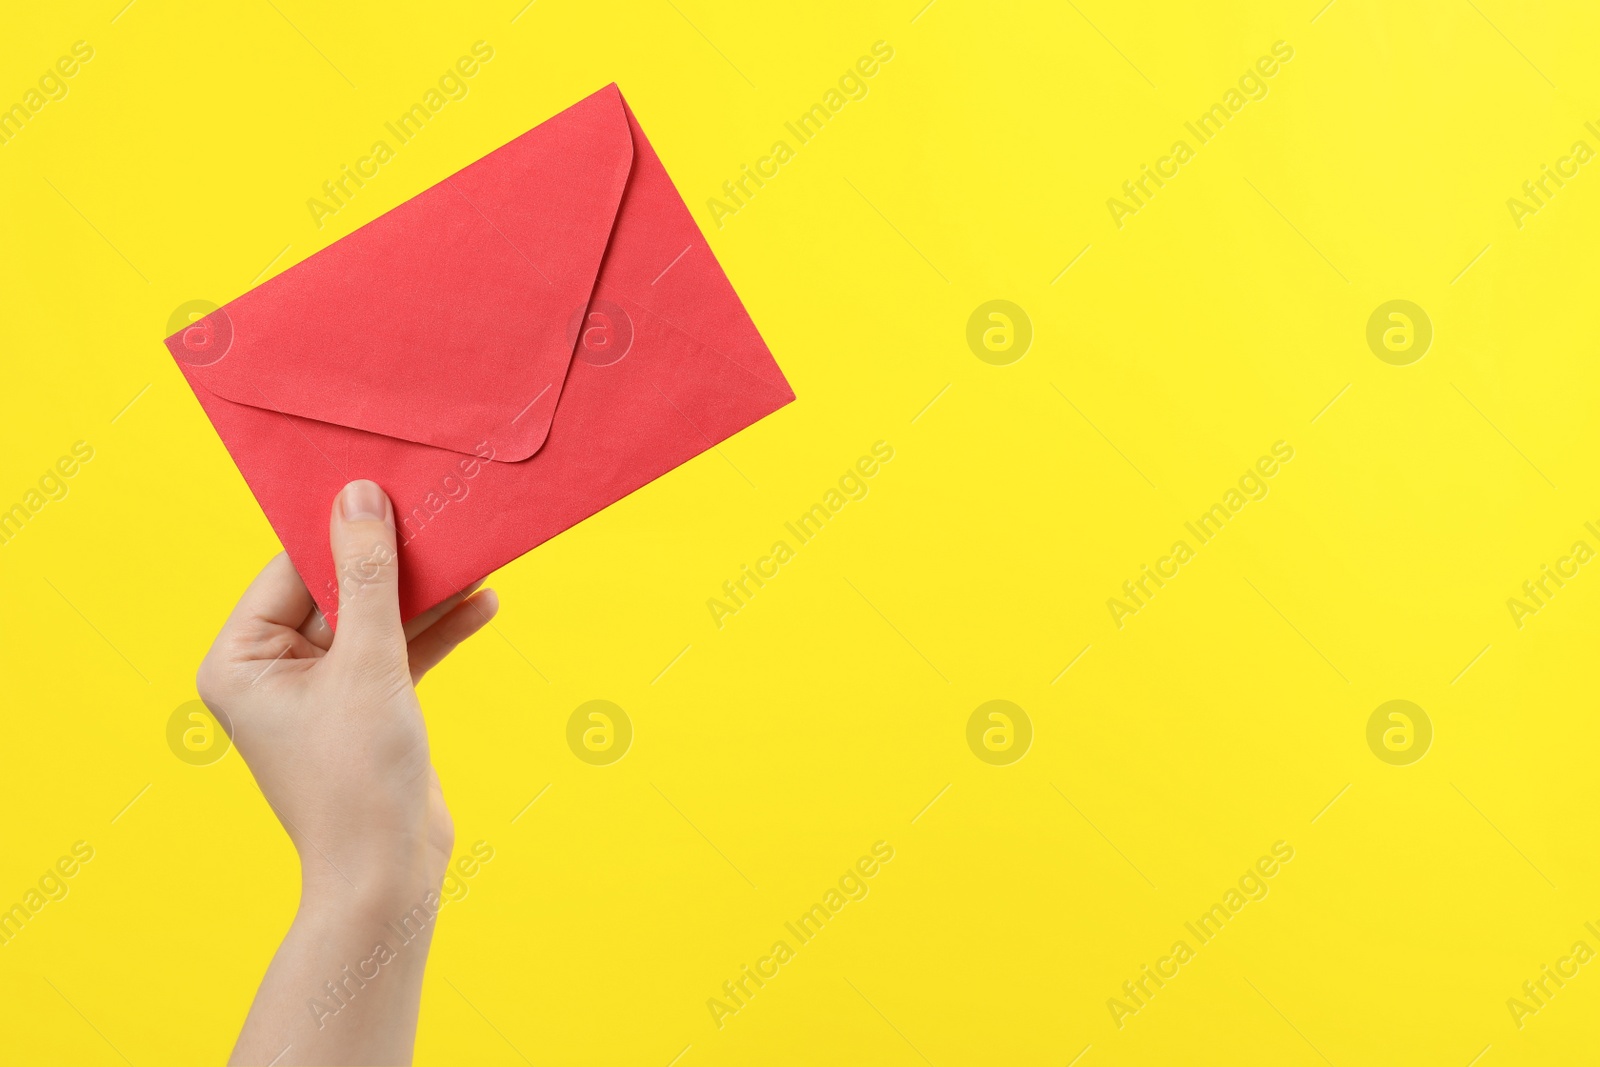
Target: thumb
[{"x": 361, "y": 534}]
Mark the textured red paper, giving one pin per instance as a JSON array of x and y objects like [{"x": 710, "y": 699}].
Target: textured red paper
[{"x": 433, "y": 351}]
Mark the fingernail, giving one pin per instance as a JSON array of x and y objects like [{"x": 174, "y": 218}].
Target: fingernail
[{"x": 363, "y": 501}]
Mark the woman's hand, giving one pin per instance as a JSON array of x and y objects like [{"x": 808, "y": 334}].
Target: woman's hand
[{"x": 332, "y": 731}]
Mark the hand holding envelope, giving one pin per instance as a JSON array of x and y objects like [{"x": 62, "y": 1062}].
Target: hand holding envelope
[{"x": 506, "y": 353}]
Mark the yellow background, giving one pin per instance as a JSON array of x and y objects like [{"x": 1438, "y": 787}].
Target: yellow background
[{"x": 830, "y": 711}]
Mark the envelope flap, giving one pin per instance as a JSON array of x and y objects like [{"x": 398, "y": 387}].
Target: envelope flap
[{"x": 448, "y": 321}]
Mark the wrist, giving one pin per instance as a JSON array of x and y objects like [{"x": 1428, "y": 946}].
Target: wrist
[
  {"x": 371, "y": 899},
  {"x": 382, "y": 871},
  {"x": 369, "y": 930}
]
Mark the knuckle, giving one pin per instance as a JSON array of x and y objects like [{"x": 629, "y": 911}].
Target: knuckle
[
  {"x": 372, "y": 679},
  {"x": 447, "y": 833},
  {"x": 367, "y": 565},
  {"x": 210, "y": 682}
]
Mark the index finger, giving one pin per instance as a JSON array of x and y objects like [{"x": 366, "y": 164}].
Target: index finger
[{"x": 277, "y": 596}]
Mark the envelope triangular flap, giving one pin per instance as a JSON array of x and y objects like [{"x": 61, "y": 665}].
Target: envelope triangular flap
[{"x": 450, "y": 320}]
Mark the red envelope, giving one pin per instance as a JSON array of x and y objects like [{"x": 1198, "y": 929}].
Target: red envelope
[{"x": 521, "y": 345}]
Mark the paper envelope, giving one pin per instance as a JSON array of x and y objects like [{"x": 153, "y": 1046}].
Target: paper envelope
[{"x": 521, "y": 345}]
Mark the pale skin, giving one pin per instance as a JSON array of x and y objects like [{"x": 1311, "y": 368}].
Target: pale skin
[{"x": 331, "y": 728}]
